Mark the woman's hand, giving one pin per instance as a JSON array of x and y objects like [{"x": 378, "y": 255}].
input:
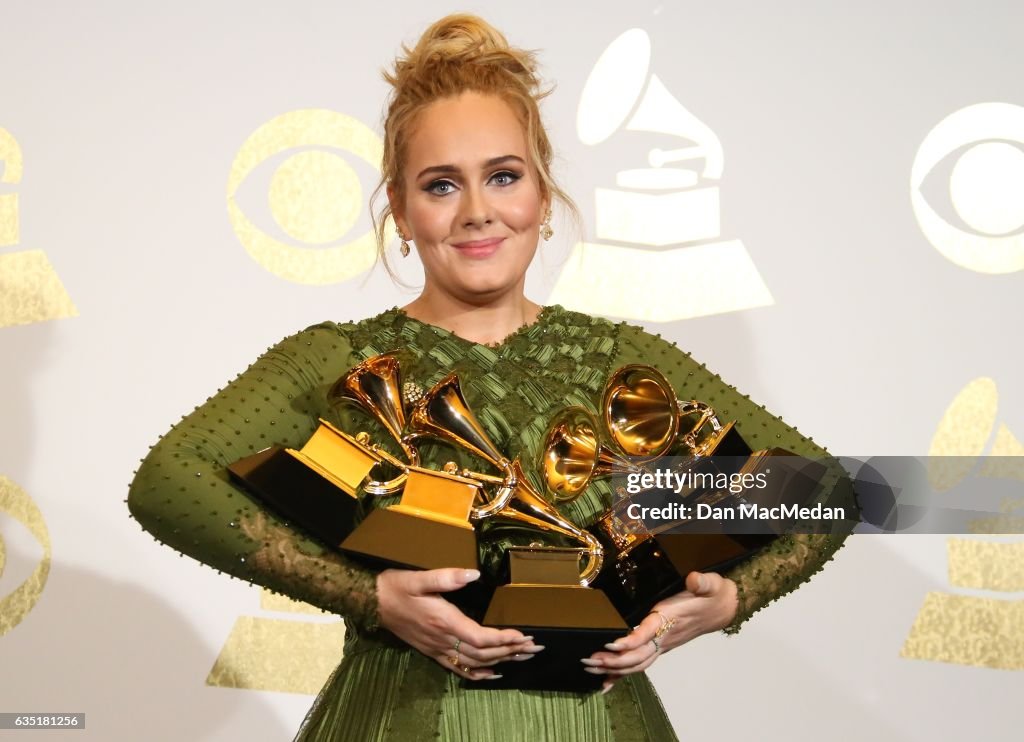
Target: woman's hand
[
  {"x": 412, "y": 608},
  {"x": 709, "y": 603}
]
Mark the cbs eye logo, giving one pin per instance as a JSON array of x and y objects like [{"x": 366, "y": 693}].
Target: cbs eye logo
[
  {"x": 985, "y": 187},
  {"x": 314, "y": 195}
]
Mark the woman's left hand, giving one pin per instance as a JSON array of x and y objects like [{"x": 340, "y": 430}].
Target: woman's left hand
[{"x": 709, "y": 603}]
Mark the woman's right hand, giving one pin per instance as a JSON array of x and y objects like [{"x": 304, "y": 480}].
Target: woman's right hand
[{"x": 412, "y": 607}]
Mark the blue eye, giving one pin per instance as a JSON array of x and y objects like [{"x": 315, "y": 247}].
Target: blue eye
[
  {"x": 432, "y": 188},
  {"x": 510, "y": 177}
]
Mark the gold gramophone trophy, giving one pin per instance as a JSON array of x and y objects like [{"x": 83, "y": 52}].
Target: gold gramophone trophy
[
  {"x": 318, "y": 486},
  {"x": 429, "y": 528},
  {"x": 646, "y": 423},
  {"x": 549, "y": 594}
]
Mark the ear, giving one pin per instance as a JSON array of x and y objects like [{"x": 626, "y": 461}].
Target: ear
[
  {"x": 397, "y": 213},
  {"x": 545, "y": 202}
]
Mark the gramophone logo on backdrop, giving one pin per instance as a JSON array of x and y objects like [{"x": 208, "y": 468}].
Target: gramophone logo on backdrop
[
  {"x": 30, "y": 292},
  {"x": 314, "y": 195},
  {"x": 957, "y": 627},
  {"x": 680, "y": 269},
  {"x": 985, "y": 187}
]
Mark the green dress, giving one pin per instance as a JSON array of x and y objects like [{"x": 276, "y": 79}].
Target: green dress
[{"x": 383, "y": 689}]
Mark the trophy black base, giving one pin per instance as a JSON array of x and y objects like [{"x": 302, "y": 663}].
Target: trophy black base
[
  {"x": 570, "y": 622},
  {"x": 657, "y": 568},
  {"x": 298, "y": 493},
  {"x": 637, "y": 579}
]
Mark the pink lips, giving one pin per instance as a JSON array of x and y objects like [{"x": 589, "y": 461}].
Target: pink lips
[{"x": 479, "y": 248}]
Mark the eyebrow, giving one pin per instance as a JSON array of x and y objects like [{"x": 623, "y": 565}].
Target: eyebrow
[{"x": 453, "y": 169}]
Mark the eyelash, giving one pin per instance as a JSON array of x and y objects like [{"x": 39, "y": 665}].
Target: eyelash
[{"x": 504, "y": 173}]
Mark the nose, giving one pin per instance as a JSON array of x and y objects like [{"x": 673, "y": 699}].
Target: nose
[{"x": 474, "y": 208}]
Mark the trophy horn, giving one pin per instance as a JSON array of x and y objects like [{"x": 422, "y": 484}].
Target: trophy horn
[
  {"x": 644, "y": 417},
  {"x": 375, "y": 386},
  {"x": 443, "y": 413},
  {"x": 573, "y": 455}
]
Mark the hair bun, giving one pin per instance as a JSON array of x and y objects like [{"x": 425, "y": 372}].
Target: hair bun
[{"x": 464, "y": 39}]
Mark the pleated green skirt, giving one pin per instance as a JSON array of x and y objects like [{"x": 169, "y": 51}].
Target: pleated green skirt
[{"x": 385, "y": 691}]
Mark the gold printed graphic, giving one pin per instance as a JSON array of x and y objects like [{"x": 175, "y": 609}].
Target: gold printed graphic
[
  {"x": 986, "y": 187},
  {"x": 986, "y": 565},
  {"x": 592, "y": 281},
  {"x": 292, "y": 656},
  {"x": 963, "y": 431},
  {"x": 30, "y": 290},
  {"x": 966, "y": 630},
  {"x": 671, "y": 208},
  {"x": 16, "y": 503},
  {"x": 314, "y": 196},
  {"x": 279, "y": 655}
]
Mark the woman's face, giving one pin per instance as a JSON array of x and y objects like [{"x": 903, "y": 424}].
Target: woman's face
[{"x": 472, "y": 201}]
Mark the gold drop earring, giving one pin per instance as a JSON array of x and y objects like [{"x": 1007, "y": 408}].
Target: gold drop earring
[
  {"x": 404, "y": 249},
  {"x": 546, "y": 231}
]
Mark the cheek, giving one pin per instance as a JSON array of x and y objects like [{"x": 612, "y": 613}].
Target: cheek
[
  {"x": 429, "y": 221},
  {"x": 523, "y": 214}
]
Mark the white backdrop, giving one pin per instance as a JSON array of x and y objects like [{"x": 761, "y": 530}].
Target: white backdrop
[{"x": 185, "y": 184}]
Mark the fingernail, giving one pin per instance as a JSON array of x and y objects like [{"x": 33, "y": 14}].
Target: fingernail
[
  {"x": 703, "y": 584},
  {"x": 614, "y": 646},
  {"x": 493, "y": 677},
  {"x": 471, "y": 574},
  {"x": 535, "y": 648},
  {"x": 595, "y": 670},
  {"x": 523, "y": 657},
  {"x": 527, "y": 639},
  {"x": 607, "y": 687},
  {"x": 590, "y": 662}
]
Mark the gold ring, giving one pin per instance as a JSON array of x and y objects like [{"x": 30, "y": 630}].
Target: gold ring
[
  {"x": 458, "y": 643},
  {"x": 454, "y": 659},
  {"x": 666, "y": 624}
]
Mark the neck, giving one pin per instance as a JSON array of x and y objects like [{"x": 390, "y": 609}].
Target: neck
[{"x": 487, "y": 322}]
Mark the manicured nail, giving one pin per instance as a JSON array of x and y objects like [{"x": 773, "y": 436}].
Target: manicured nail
[
  {"x": 535, "y": 648},
  {"x": 471, "y": 574},
  {"x": 614, "y": 646},
  {"x": 595, "y": 670},
  {"x": 703, "y": 584},
  {"x": 493, "y": 677},
  {"x": 523, "y": 657},
  {"x": 590, "y": 662},
  {"x": 607, "y": 687},
  {"x": 527, "y": 639}
]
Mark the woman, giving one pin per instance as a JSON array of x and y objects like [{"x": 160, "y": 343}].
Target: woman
[{"x": 467, "y": 172}]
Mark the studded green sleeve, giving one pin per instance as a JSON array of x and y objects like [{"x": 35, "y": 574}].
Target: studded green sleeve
[
  {"x": 791, "y": 559},
  {"x": 181, "y": 493}
]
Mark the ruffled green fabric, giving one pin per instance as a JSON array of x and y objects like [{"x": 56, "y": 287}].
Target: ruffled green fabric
[{"x": 384, "y": 690}]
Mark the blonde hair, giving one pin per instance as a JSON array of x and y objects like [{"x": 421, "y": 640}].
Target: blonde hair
[{"x": 458, "y": 53}]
